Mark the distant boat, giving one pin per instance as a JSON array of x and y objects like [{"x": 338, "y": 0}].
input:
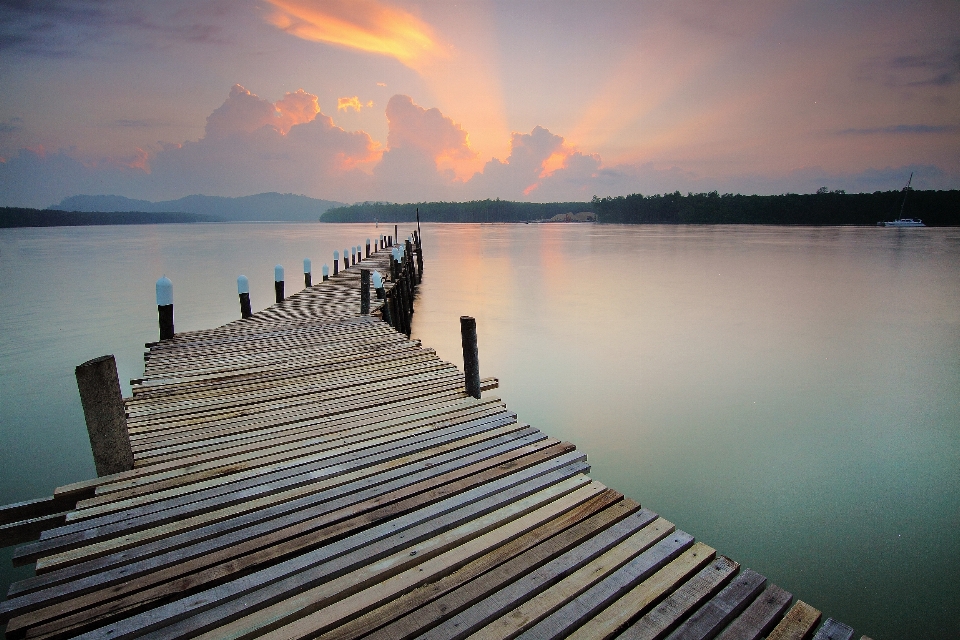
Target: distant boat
[{"x": 901, "y": 221}]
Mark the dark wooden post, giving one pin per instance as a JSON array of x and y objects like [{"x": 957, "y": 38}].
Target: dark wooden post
[
  {"x": 278, "y": 282},
  {"x": 307, "y": 275},
  {"x": 409, "y": 255},
  {"x": 368, "y": 247},
  {"x": 353, "y": 255},
  {"x": 105, "y": 416},
  {"x": 336, "y": 262},
  {"x": 243, "y": 288},
  {"x": 346, "y": 259},
  {"x": 364, "y": 292},
  {"x": 165, "y": 307},
  {"x": 471, "y": 360},
  {"x": 386, "y": 313},
  {"x": 326, "y": 272}
]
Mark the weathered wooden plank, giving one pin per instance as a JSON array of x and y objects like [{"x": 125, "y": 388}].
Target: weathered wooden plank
[
  {"x": 798, "y": 624},
  {"x": 484, "y": 611},
  {"x": 30, "y": 529},
  {"x": 323, "y": 607},
  {"x": 288, "y": 537},
  {"x": 615, "y": 617},
  {"x": 760, "y": 617},
  {"x": 558, "y": 611},
  {"x": 833, "y": 630},
  {"x": 557, "y": 534},
  {"x": 223, "y": 604},
  {"x": 707, "y": 621},
  {"x": 669, "y": 613}
]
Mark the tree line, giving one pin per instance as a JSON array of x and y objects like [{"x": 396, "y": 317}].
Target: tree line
[
  {"x": 472, "y": 211},
  {"x": 935, "y": 208}
]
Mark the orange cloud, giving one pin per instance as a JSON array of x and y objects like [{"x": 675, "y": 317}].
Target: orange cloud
[
  {"x": 367, "y": 25},
  {"x": 428, "y": 131},
  {"x": 245, "y": 112},
  {"x": 345, "y": 104}
]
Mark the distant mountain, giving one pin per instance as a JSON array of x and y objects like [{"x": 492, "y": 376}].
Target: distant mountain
[{"x": 285, "y": 207}]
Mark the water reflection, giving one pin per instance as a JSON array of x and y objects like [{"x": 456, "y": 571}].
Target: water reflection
[{"x": 787, "y": 395}]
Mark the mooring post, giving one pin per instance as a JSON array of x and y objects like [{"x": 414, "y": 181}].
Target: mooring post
[
  {"x": 243, "y": 288},
  {"x": 307, "y": 275},
  {"x": 105, "y": 416},
  {"x": 346, "y": 259},
  {"x": 471, "y": 361},
  {"x": 353, "y": 255},
  {"x": 378, "y": 284},
  {"x": 390, "y": 241},
  {"x": 364, "y": 292},
  {"x": 368, "y": 247},
  {"x": 278, "y": 281},
  {"x": 165, "y": 307},
  {"x": 336, "y": 262},
  {"x": 387, "y": 313},
  {"x": 409, "y": 253},
  {"x": 326, "y": 272}
]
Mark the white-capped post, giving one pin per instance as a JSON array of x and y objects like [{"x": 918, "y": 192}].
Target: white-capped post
[
  {"x": 307, "y": 275},
  {"x": 326, "y": 272},
  {"x": 353, "y": 255},
  {"x": 368, "y": 247},
  {"x": 346, "y": 259},
  {"x": 243, "y": 289},
  {"x": 165, "y": 307},
  {"x": 278, "y": 281},
  {"x": 336, "y": 262}
]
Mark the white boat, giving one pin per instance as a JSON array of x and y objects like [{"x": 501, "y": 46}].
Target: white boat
[{"x": 901, "y": 221}]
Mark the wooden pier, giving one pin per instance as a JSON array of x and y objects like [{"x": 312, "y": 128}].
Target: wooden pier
[{"x": 311, "y": 472}]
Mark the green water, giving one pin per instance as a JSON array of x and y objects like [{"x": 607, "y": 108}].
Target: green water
[{"x": 787, "y": 395}]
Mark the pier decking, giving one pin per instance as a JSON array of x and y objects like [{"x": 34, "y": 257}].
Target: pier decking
[{"x": 313, "y": 472}]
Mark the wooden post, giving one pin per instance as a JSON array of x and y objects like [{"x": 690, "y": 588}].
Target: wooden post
[
  {"x": 387, "y": 311},
  {"x": 336, "y": 262},
  {"x": 378, "y": 284},
  {"x": 364, "y": 292},
  {"x": 368, "y": 247},
  {"x": 353, "y": 255},
  {"x": 243, "y": 288},
  {"x": 165, "y": 307},
  {"x": 104, "y": 413},
  {"x": 409, "y": 254},
  {"x": 346, "y": 259},
  {"x": 326, "y": 272},
  {"x": 307, "y": 275},
  {"x": 471, "y": 360},
  {"x": 278, "y": 282}
]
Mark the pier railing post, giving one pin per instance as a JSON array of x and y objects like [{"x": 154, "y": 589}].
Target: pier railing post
[
  {"x": 307, "y": 275},
  {"x": 243, "y": 289},
  {"x": 471, "y": 361},
  {"x": 165, "y": 307},
  {"x": 378, "y": 284},
  {"x": 364, "y": 292},
  {"x": 336, "y": 262},
  {"x": 346, "y": 259},
  {"x": 105, "y": 416},
  {"x": 368, "y": 247},
  {"x": 326, "y": 272},
  {"x": 278, "y": 282}
]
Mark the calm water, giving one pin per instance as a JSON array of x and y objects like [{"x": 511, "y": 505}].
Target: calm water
[{"x": 787, "y": 395}]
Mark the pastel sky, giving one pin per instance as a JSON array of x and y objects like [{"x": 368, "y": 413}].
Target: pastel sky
[{"x": 355, "y": 100}]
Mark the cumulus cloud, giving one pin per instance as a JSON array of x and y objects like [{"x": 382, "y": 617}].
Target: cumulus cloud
[
  {"x": 352, "y": 102},
  {"x": 253, "y": 145},
  {"x": 428, "y": 135}
]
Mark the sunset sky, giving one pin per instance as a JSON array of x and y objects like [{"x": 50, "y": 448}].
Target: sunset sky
[{"x": 355, "y": 100}]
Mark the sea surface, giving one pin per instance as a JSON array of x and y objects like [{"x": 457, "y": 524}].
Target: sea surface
[{"x": 790, "y": 396}]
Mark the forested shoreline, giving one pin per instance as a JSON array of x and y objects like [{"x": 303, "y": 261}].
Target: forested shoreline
[
  {"x": 827, "y": 208},
  {"x": 23, "y": 217},
  {"x": 472, "y": 211}
]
